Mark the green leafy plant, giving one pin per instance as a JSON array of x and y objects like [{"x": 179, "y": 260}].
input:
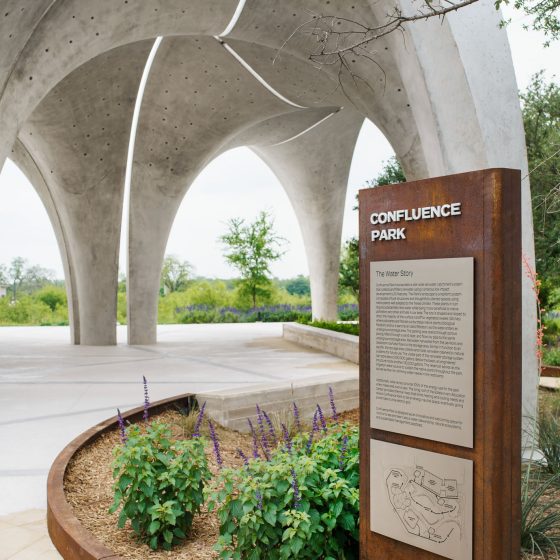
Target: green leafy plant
[
  {"x": 303, "y": 503},
  {"x": 347, "y": 328},
  {"x": 159, "y": 483}
]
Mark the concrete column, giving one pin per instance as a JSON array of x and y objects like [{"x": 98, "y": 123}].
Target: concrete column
[
  {"x": 78, "y": 137},
  {"x": 314, "y": 173},
  {"x": 23, "y": 159}
]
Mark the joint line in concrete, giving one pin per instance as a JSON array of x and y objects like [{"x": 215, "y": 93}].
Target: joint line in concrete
[
  {"x": 306, "y": 130},
  {"x": 256, "y": 75},
  {"x": 234, "y": 19}
]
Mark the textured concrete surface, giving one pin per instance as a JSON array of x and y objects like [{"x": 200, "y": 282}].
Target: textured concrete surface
[
  {"x": 232, "y": 407},
  {"x": 24, "y": 536},
  {"x": 345, "y": 346},
  {"x": 51, "y": 391},
  {"x": 443, "y": 93}
]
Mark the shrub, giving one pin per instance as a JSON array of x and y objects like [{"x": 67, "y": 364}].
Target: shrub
[
  {"x": 53, "y": 296},
  {"x": 540, "y": 516},
  {"x": 551, "y": 357},
  {"x": 347, "y": 328},
  {"x": 548, "y": 428},
  {"x": 159, "y": 483},
  {"x": 302, "y": 503}
]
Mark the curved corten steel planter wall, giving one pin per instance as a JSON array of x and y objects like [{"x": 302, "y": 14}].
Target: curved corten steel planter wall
[
  {"x": 550, "y": 371},
  {"x": 71, "y": 539}
]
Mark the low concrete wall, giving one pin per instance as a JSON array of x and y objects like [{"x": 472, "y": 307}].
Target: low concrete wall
[
  {"x": 343, "y": 345},
  {"x": 232, "y": 407}
]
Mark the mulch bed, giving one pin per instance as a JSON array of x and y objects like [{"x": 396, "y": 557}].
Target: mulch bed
[{"x": 88, "y": 487}]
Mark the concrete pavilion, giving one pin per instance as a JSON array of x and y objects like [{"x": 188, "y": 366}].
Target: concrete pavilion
[{"x": 443, "y": 93}]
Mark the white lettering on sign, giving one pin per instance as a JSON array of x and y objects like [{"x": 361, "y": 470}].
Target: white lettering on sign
[{"x": 408, "y": 215}]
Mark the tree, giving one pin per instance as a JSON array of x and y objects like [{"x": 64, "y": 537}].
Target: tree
[
  {"x": 175, "y": 274},
  {"x": 349, "y": 273},
  {"x": 543, "y": 13},
  {"x": 298, "y": 286},
  {"x": 339, "y": 41},
  {"x": 16, "y": 275},
  {"x": 541, "y": 118},
  {"x": 22, "y": 278},
  {"x": 391, "y": 174},
  {"x": 251, "y": 248}
]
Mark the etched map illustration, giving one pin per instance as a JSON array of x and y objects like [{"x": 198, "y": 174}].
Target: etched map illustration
[{"x": 428, "y": 505}]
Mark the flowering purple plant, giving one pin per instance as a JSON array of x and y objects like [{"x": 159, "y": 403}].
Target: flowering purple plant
[
  {"x": 216, "y": 443},
  {"x": 243, "y": 456},
  {"x": 255, "y": 441},
  {"x": 122, "y": 427},
  {"x": 264, "y": 441},
  {"x": 322, "y": 418},
  {"x": 295, "y": 487},
  {"x": 343, "y": 451},
  {"x": 198, "y": 423},
  {"x": 259, "y": 497},
  {"x": 297, "y": 417},
  {"x": 271, "y": 430},
  {"x": 287, "y": 438},
  {"x": 333, "y": 405},
  {"x": 314, "y": 429},
  {"x": 146, "y": 399}
]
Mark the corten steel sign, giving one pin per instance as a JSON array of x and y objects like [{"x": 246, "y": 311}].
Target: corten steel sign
[{"x": 440, "y": 368}]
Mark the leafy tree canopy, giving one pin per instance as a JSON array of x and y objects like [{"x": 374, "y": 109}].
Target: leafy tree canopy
[
  {"x": 175, "y": 274},
  {"x": 545, "y": 16},
  {"x": 541, "y": 118},
  {"x": 251, "y": 248}
]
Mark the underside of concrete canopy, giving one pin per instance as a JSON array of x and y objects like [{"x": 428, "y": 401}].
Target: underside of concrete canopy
[{"x": 225, "y": 75}]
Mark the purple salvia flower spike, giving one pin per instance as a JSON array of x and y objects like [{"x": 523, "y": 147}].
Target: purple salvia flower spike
[
  {"x": 311, "y": 433},
  {"x": 297, "y": 417},
  {"x": 255, "y": 441},
  {"x": 243, "y": 456},
  {"x": 343, "y": 450},
  {"x": 260, "y": 419},
  {"x": 198, "y": 423},
  {"x": 322, "y": 418},
  {"x": 287, "y": 438},
  {"x": 146, "y": 399},
  {"x": 333, "y": 405},
  {"x": 216, "y": 444},
  {"x": 122, "y": 427},
  {"x": 264, "y": 441},
  {"x": 295, "y": 487},
  {"x": 259, "y": 497},
  {"x": 271, "y": 429},
  {"x": 265, "y": 448}
]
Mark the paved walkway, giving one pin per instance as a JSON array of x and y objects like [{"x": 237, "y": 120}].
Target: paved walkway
[{"x": 51, "y": 391}]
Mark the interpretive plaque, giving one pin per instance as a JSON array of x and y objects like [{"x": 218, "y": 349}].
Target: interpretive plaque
[
  {"x": 422, "y": 348},
  {"x": 440, "y": 368},
  {"x": 422, "y": 498}
]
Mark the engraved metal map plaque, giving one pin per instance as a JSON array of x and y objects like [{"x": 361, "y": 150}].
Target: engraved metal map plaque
[
  {"x": 422, "y": 498},
  {"x": 422, "y": 348}
]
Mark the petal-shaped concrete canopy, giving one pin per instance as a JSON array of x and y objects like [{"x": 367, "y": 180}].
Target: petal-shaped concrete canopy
[{"x": 442, "y": 92}]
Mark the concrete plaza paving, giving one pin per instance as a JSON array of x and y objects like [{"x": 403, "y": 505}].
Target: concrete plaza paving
[{"x": 51, "y": 391}]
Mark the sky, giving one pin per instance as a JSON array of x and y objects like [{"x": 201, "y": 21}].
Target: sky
[{"x": 236, "y": 184}]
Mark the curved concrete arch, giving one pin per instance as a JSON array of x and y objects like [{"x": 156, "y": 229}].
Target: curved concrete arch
[
  {"x": 78, "y": 137},
  {"x": 431, "y": 93},
  {"x": 313, "y": 169},
  {"x": 170, "y": 152},
  {"x": 24, "y": 160}
]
